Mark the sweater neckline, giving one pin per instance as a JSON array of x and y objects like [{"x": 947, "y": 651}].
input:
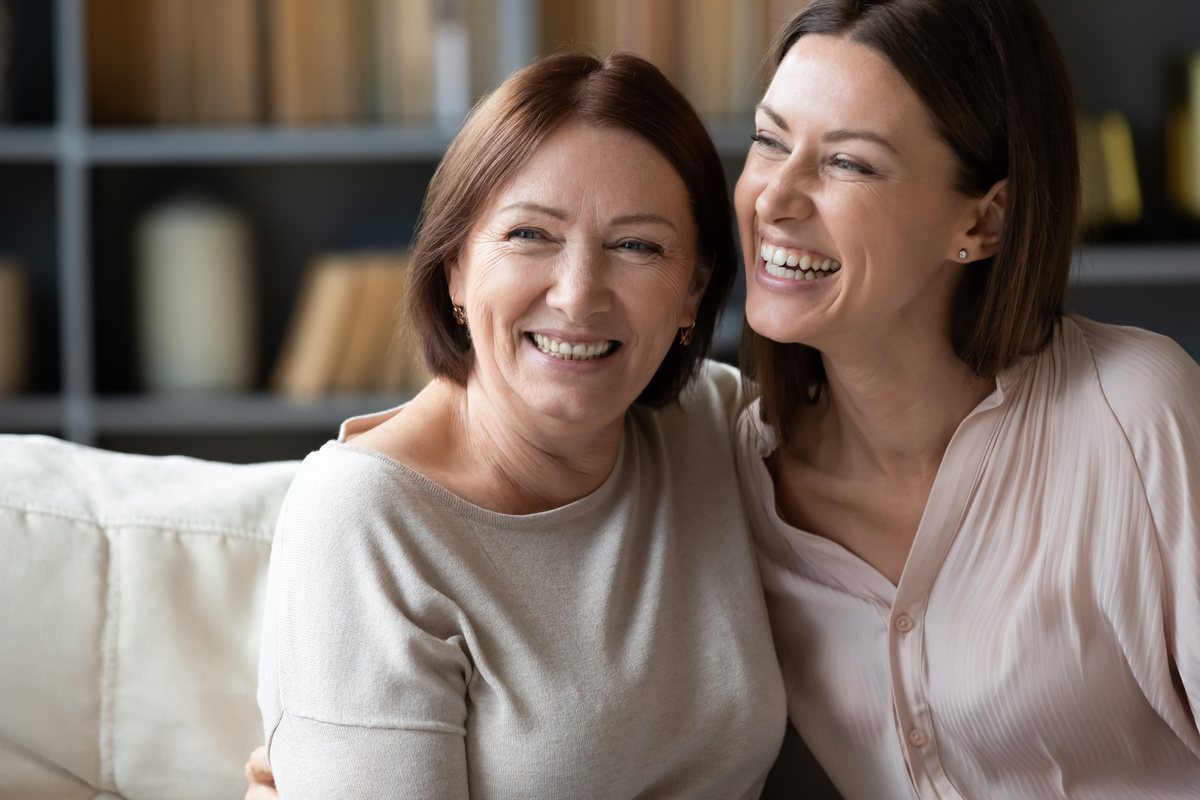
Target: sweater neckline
[{"x": 598, "y": 499}]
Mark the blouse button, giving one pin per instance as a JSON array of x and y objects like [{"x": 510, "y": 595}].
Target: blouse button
[
  {"x": 917, "y": 737},
  {"x": 904, "y": 623}
]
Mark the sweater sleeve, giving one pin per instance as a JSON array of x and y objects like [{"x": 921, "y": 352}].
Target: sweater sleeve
[
  {"x": 369, "y": 665},
  {"x": 1153, "y": 387}
]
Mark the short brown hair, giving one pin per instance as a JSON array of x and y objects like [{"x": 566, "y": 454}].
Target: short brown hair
[
  {"x": 996, "y": 86},
  {"x": 622, "y": 91}
]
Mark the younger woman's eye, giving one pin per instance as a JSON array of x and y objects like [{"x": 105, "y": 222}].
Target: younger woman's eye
[
  {"x": 848, "y": 165},
  {"x": 765, "y": 141}
]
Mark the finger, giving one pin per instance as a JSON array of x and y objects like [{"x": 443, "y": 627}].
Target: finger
[{"x": 258, "y": 769}]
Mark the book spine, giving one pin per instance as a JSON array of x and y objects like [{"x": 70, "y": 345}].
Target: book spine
[{"x": 14, "y": 326}]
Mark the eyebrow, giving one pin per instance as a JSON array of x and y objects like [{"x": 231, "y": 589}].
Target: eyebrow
[
  {"x": 628, "y": 219},
  {"x": 840, "y": 135}
]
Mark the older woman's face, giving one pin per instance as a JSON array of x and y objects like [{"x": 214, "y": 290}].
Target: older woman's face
[
  {"x": 578, "y": 276},
  {"x": 847, "y": 209}
]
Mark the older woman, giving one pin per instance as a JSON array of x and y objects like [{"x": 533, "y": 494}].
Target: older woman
[
  {"x": 535, "y": 579},
  {"x": 978, "y": 520}
]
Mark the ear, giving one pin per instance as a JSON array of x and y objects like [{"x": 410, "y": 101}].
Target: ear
[
  {"x": 691, "y": 303},
  {"x": 453, "y": 279},
  {"x": 982, "y": 238}
]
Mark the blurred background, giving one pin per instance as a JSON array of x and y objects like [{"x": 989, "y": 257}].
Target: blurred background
[{"x": 205, "y": 205}]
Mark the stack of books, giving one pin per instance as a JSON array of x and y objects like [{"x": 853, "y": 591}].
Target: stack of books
[
  {"x": 346, "y": 333},
  {"x": 287, "y": 62},
  {"x": 717, "y": 51}
]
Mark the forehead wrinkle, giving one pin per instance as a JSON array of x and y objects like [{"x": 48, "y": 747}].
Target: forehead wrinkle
[
  {"x": 653, "y": 219},
  {"x": 522, "y": 205}
]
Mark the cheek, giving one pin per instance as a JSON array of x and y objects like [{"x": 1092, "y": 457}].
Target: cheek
[{"x": 654, "y": 298}]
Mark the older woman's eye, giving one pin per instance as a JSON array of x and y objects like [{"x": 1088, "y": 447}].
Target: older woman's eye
[
  {"x": 639, "y": 247},
  {"x": 525, "y": 233}
]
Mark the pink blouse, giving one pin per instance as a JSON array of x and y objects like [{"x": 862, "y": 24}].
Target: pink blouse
[{"x": 1044, "y": 639}]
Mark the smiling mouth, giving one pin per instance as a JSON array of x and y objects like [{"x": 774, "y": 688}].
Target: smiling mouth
[
  {"x": 783, "y": 263},
  {"x": 567, "y": 351}
]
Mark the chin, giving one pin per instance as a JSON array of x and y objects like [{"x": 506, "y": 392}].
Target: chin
[{"x": 776, "y": 325}]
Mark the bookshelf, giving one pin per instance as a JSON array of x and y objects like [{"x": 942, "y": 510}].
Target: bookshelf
[{"x": 79, "y": 188}]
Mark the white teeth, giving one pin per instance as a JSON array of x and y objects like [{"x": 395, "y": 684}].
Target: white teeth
[
  {"x": 571, "y": 352},
  {"x": 806, "y": 268}
]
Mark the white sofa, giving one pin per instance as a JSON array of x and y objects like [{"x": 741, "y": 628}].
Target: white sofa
[{"x": 131, "y": 590}]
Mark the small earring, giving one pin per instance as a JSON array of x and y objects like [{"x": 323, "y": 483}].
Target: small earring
[
  {"x": 963, "y": 254},
  {"x": 460, "y": 316},
  {"x": 685, "y": 334}
]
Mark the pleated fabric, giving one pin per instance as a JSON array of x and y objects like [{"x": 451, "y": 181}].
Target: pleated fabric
[{"x": 1044, "y": 639}]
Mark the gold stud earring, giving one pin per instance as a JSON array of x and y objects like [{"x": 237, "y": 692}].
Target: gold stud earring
[
  {"x": 685, "y": 334},
  {"x": 460, "y": 316},
  {"x": 963, "y": 254}
]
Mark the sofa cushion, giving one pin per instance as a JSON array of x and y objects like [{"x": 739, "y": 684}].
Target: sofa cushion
[{"x": 131, "y": 592}]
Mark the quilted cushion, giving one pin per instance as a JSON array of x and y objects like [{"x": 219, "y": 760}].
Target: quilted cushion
[{"x": 131, "y": 592}]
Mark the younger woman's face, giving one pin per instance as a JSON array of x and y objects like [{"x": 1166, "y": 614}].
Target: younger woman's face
[{"x": 846, "y": 207}]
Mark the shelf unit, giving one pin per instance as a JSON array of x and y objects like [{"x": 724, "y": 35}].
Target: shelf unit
[{"x": 90, "y": 180}]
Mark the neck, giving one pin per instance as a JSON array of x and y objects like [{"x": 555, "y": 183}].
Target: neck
[
  {"x": 890, "y": 409},
  {"x": 526, "y": 463}
]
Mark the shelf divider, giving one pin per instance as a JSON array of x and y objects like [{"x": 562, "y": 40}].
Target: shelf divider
[{"x": 74, "y": 244}]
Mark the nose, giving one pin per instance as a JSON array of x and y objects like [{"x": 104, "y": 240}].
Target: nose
[
  {"x": 580, "y": 288},
  {"x": 785, "y": 194}
]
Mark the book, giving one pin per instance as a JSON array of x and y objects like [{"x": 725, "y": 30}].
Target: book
[
  {"x": 14, "y": 325},
  {"x": 226, "y": 78},
  {"x": 315, "y": 341},
  {"x": 172, "y": 60},
  {"x": 750, "y": 39},
  {"x": 316, "y": 63},
  {"x": 451, "y": 64},
  {"x": 403, "y": 60},
  {"x": 120, "y": 68},
  {"x": 371, "y": 333},
  {"x": 650, "y": 28}
]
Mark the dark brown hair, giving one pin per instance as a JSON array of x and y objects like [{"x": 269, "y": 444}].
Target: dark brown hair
[
  {"x": 622, "y": 91},
  {"x": 995, "y": 83}
]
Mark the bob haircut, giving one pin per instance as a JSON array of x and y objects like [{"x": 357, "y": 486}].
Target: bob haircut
[
  {"x": 502, "y": 133},
  {"x": 995, "y": 84}
]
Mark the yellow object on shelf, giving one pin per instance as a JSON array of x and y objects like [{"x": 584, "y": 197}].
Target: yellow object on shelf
[
  {"x": 1183, "y": 137},
  {"x": 1111, "y": 189}
]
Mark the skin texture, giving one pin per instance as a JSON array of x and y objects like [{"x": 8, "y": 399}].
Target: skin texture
[{"x": 848, "y": 166}]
